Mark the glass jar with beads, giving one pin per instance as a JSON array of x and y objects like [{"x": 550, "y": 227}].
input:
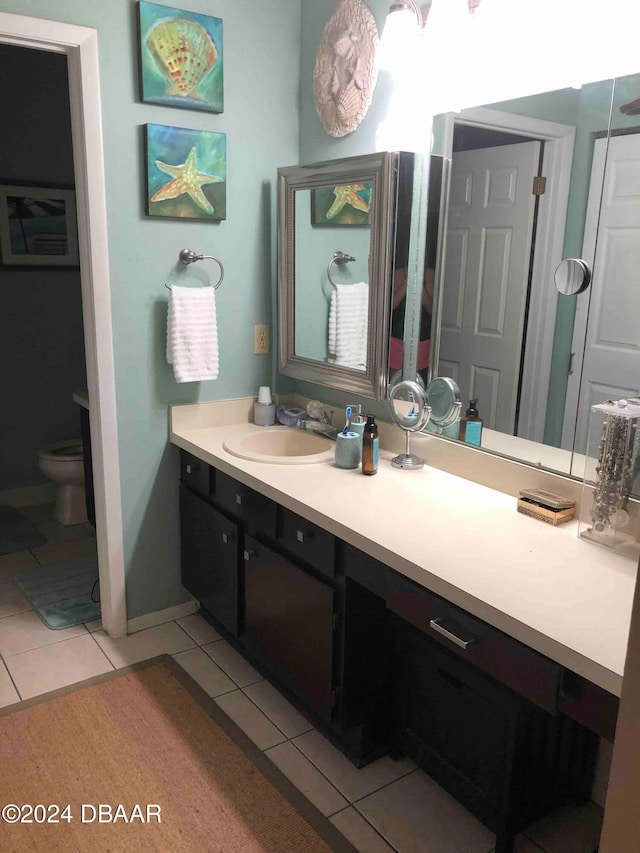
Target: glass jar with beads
[{"x": 611, "y": 489}]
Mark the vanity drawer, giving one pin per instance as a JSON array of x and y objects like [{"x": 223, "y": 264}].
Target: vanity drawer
[
  {"x": 522, "y": 669},
  {"x": 589, "y": 704},
  {"x": 309, "y": 542},
  {"x": 259, "y": 513},
  {"x": 196, "y": 474}
]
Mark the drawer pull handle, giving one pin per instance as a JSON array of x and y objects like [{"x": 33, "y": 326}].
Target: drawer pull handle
[
  {"x": 227, "y": 537},
  {"x": 239, "y": 500},
  {"x": 188, "y": 469},
  {"x": 248, "y": 554},
  {"x": 439, "y": 628}
]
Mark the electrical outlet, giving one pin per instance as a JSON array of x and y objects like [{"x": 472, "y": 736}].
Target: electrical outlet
[{"x": 261, "y": 339}]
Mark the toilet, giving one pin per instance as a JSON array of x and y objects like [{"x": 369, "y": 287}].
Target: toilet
[{"x": 63, "y": 463}]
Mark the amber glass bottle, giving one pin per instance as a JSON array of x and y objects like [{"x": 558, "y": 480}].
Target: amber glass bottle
[{"x": 370, "y": 446}]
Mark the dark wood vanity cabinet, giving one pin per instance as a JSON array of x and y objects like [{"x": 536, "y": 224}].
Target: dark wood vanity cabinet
[
  {"x": 381, "y": 664},
  {"x": 257, "y": 572},
  {"x": 504, "y": 758}
]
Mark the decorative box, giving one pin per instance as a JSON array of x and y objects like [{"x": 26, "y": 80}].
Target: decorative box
[{"x": 612, "y": 465}]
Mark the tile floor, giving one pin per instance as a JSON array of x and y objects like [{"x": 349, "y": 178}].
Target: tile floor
[{"x": 384, "y": 807}]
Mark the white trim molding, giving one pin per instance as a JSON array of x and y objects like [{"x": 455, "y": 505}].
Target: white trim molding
[
  {"x": 159, "y": 617},
  {"x": 80, "y": 44}
]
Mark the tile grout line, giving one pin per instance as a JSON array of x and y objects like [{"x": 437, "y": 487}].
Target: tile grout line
[
  {"x": 101, "y": 649},
  {"x": 272, "y": 721},
  {"x": 15, "y": 686},
  {"x": 324, "y": 776},
  {"x": 371, "y": 825},
  {"x": 364, "y": 796}
]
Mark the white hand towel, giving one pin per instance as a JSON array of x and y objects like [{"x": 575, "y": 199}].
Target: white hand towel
[
  {"x": 331, "y": 344},
  {"x": 351, "y": 323},
  {"x": 192, "y": 333}
]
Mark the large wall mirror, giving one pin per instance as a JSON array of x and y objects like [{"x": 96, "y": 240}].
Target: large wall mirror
[
  {"x": 345, "y": 278},
  {"x": 535, "y": 359}
]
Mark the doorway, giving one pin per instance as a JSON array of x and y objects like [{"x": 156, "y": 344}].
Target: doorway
[{"x": 81, "y": 49}]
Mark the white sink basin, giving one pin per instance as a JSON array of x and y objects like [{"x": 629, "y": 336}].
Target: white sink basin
[{"x": 282, "y": 446}]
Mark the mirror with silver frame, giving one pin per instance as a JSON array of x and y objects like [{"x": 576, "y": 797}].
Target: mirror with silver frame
[
  {"x": 537, "y": 359},
  {"x": 341, "y": 206},
  {"x": 343, "y": 264}
]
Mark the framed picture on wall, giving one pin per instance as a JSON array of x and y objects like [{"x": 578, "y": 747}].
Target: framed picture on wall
[
  {"x": 345, "y": 204},
  {"x": 180, "y": 58},
  {"x": 186, "y": 173},
  {"x": 38, "y": 227}
]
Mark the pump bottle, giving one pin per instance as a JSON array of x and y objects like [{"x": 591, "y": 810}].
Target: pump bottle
[
  {"x": 471, "y": 425},
  {"x": 370, "y": 446}
]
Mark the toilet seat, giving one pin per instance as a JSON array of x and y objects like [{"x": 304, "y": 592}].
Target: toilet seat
[{"x": 63, "y": 451}]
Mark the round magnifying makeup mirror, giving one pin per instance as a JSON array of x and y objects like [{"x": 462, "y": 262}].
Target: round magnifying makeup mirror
[
  {"x": 410, "y": 411},
  {"x": 572, "y": 276},
  {"x": 443, "y": 397}
]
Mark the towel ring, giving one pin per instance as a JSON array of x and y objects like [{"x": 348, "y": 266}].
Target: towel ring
[
  {"x": 338, "y": 258},
  {"x": 188, "y": 256}
]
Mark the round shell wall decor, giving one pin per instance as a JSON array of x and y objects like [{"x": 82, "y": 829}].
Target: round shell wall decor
[{"x": 346, "y": 70}]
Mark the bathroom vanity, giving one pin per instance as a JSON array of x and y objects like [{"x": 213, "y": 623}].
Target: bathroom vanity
[{"x": 413, "y": 614}]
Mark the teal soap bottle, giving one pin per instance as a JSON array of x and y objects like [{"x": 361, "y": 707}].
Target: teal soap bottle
[{"x": 471, "y": 425}]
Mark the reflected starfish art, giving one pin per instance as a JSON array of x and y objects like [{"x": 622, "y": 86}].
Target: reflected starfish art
[
  {"x": 186, "y": 179},
  {"x": 347, "y": 194}
]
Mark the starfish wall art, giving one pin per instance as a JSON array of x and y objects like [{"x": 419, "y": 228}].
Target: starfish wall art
[
  {"x": 186, "y": 173},
  {"x": 345, "y": 204}
]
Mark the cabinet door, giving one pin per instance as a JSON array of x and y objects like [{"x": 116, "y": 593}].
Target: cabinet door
[
  {"x": 209, "y": 558},
  {"x": 289, "y": 624}
]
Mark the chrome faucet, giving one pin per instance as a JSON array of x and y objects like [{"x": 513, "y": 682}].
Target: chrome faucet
[{"x": 318, "y": 421}]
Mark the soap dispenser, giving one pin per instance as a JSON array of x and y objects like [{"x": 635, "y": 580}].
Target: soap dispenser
[
  {"x": 370, "y": 446},
  {"x": 471, "y": 425}
]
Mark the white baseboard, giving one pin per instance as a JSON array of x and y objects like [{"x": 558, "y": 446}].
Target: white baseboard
[
  {"x": 159, "y": 617},
  {"x": 29, "y": 495}
]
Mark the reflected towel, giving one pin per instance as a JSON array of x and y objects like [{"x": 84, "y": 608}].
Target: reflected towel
[
  {"x": 348, "y": 324},
  {"x": 192, "y": 333}
]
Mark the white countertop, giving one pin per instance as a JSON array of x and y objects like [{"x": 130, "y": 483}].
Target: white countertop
[{"x": 566, "y": 598}]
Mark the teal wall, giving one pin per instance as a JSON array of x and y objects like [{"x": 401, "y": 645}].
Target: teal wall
[{"x": 261, "y": 43}]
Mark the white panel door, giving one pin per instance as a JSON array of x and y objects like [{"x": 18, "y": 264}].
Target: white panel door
[
  {"x": 611, "y": 367},
  {"x": 489, "y": 231}
]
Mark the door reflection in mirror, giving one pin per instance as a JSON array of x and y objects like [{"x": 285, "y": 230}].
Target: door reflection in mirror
[{"x": 505, "y": 333}]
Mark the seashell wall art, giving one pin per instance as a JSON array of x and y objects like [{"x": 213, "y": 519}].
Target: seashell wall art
[
  {"x": 180, "y": 58},
  {"x": 346, "y": 70}
]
